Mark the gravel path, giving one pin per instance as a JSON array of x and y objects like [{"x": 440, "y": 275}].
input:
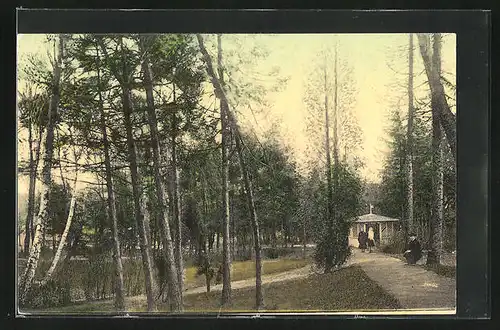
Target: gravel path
[
  {"x": 413, "y": 286},
  {"x": 250, "y": 282},
  {"x": 242, "y": 284}
]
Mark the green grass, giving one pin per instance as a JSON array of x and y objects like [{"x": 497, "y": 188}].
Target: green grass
[
  {"x": 246, "y": 269},
  {"x": 349, "y": 289},
  {"x": 346, "y": 290}
]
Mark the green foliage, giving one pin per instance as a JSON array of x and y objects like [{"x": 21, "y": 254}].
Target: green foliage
[
  {"x": 332, "y": 248},
  {"x": 52, "y": 294},
  {"x": 396, "y": 244},
  {"x": 276, "y": 252},
  {"x": 393, "y": 190},
  {"x": 58, "y": 208}
]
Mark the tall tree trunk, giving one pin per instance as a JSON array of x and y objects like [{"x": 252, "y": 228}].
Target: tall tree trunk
[
  {"x": 329, "y": 183},
  {"x": 124, "y": 79},
  {"x": 409, "y": 141},
  {"x": 248, "y": 186},
  {"x": 119, "y": 302},
  {"x": 31, "y": 191},
  {"x": 33, "y": 185},
  {"x": 62, "y": 242},
  {"x": 304, "y": 238},
  {"x": 175, "y": 294},
  {"x": 226, "y": 141},
  {"x": 203, "y": 240},
  {"x": 259, "y": 298},
  {"x": 177, "y": 200},
  {"x": 336, "y": 157},
  {"x": 137, "y": 196},
  {"x": 436, "y": 221},
  {"x": 335, "y": 124},
  {"x": 446, "y": 117},
  {"x": 43, "y": 213},
  {"x": 233, "y": 227}
]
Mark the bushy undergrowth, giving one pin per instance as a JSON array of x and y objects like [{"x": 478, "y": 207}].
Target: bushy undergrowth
[
  {"x": 276, "y": 252},
  {"x": 84, "y": 279},
  {"x": 332, "y": 251},
  {"x": 395, "y": 245}
]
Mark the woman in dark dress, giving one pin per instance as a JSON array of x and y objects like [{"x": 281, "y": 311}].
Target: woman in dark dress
[
  {"x": 413, "y": 251},
  {"x": 362, "y": 237}
]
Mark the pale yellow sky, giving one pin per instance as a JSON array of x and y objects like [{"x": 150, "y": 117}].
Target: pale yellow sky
[{"x": 379, "y": 64}]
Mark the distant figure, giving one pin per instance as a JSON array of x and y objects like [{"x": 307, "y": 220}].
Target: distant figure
[
  {"x": 362, "y": 238},
  {"x": 220, "y": 274},
  {"x": 413, "y": 251},
  {"x": 371, "y": 239}
]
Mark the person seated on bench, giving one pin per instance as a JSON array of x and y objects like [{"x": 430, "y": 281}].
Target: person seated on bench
[{"x": 413, "y": 251}]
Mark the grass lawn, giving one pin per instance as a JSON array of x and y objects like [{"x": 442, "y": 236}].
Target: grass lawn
[
  {"x": 443, "y": 270},
  {"x": 345, "y": 290},
  {"x": 349, "y": 289},
  {"x": 246, "y": 269}
]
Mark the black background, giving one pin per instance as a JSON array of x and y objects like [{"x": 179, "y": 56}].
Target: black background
[{"x": 473, "y": 127}]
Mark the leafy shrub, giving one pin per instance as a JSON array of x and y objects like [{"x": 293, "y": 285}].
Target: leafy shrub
[
  {"x": 243, "y": 255},
  {"x": 396, "y": 244},
  {"x": 332, "y": 251},
  {"x": 87, "y": 279},
  {"x": 276, "y": 252},
  {"x": 53, "y": 294}
]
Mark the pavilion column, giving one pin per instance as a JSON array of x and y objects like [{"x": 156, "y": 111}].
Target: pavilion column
[{"x": 380, "y": 231}]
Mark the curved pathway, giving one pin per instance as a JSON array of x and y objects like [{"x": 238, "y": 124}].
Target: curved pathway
[
  {"x": 250, "y": 282},
  {"x": 414, "y": 286}
]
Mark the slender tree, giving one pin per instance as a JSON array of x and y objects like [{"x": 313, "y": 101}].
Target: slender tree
[
  {"x": 176, "y": 196},
  {"x": 329, "y": 183},
  {"x": 409, "y": 141},
  {"x": 55, "y": 262},
  {"x": 436, "y": 221},
  {"x": 32, "y": 107},
  {"x": 168, "y": 248},
  {"x": 248, "y": 185},
  {"x": 226, "y": 136},
  {"x": 119, "y": 302},
  {"x": 48, "y": 142},
  {"x": 124, "y": 78}
]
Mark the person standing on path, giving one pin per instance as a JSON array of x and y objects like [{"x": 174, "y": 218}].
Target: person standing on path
[
  {"x": 362, "y": 238},
  {"x": 371, "y": 239},
  {"x": 413, "y": 251}
]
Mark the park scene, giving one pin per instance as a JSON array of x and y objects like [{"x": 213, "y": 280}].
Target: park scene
[{"x": 236, "y": 173}]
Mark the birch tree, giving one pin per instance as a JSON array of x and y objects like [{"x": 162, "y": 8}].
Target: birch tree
[
  {"x": 48, "y": 141},
  {"x": 32, "y": 105},
  {"x": 55, "y": 261}
]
